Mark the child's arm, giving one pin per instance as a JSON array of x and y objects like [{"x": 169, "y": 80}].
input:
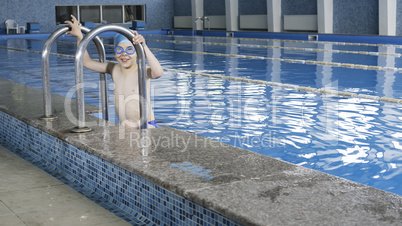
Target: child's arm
[
  {"x": 154, "y": 70},
  {"x": 88, "y": 62}
]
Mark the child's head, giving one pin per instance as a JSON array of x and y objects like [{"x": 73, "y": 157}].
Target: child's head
[
  {"x": 124, "y": 51},
  {"x": 119, "y": 38}
]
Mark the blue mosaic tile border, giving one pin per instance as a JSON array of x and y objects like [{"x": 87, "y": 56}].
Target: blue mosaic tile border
[{"x": 129, "y": 196}]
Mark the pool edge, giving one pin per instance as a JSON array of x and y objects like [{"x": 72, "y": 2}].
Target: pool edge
[{"x": 244, "y": 186}]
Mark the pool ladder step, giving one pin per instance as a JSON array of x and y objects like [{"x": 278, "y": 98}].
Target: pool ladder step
[{"x": 79, "y": 71}]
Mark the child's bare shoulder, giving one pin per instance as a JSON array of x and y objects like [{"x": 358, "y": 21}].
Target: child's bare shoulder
[{"x": 114, "y": 69}]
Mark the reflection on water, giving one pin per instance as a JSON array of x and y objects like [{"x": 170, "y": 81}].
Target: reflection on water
[{"x": 357, "y": 139}]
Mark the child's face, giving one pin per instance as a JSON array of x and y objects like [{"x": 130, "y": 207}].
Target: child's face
[{"x": 124, "y": 59}]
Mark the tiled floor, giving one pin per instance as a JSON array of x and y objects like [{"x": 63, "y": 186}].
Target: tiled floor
[{"x": 30, "y": 196}]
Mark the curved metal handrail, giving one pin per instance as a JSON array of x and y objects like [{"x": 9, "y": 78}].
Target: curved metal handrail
[
  {"x": 79, "y": 75},
  {"x": 47, "y": 99}
]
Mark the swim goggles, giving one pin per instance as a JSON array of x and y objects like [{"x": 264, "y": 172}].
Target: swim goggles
[{"x": 119, "y": 50}]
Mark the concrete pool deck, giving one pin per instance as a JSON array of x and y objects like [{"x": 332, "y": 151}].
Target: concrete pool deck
[
  {"x": 30, "y": 196},
  {"x": 246, "y": 187}
]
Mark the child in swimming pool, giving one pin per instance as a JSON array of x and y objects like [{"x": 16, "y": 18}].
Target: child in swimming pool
[{"x": 124, "y": 75}]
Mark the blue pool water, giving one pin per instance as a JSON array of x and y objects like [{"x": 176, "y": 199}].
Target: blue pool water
[{"x": 357, "y": 139}]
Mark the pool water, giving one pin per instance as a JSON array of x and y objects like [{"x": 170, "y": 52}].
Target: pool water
[{"x": 357, "y": 139}]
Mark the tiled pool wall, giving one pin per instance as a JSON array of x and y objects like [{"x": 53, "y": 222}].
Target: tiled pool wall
[
  {"x": 373, "y": 39},
  {"x": 130, "y": 193}
]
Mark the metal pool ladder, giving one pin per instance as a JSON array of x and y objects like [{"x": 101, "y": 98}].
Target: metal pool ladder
[
  {"x": 79, "y": 75},
  {"x": 47, "y": 98}
]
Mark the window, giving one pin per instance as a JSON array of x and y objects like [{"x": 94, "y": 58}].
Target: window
[
  {"x": 101, "y": 13},
  {"x": 90, "y": 14},
  {"x": 112, "y": 13},
  {"x": 134, "y": 13},
  {"x": 63, "y": 13}
]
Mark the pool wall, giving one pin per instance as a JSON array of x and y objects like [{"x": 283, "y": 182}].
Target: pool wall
[
  {"x": 372, "y": 39},
  {"x": 134, "y": 195},
  {"x": 184, "y": 179}
]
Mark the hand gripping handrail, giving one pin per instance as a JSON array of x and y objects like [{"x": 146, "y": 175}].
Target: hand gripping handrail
[
  {"x": 79, "y": 75},
  {"x": 47, "y": 99}
]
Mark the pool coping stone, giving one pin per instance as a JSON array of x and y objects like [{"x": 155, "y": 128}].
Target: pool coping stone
[{"x": 247, "y": 187}]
